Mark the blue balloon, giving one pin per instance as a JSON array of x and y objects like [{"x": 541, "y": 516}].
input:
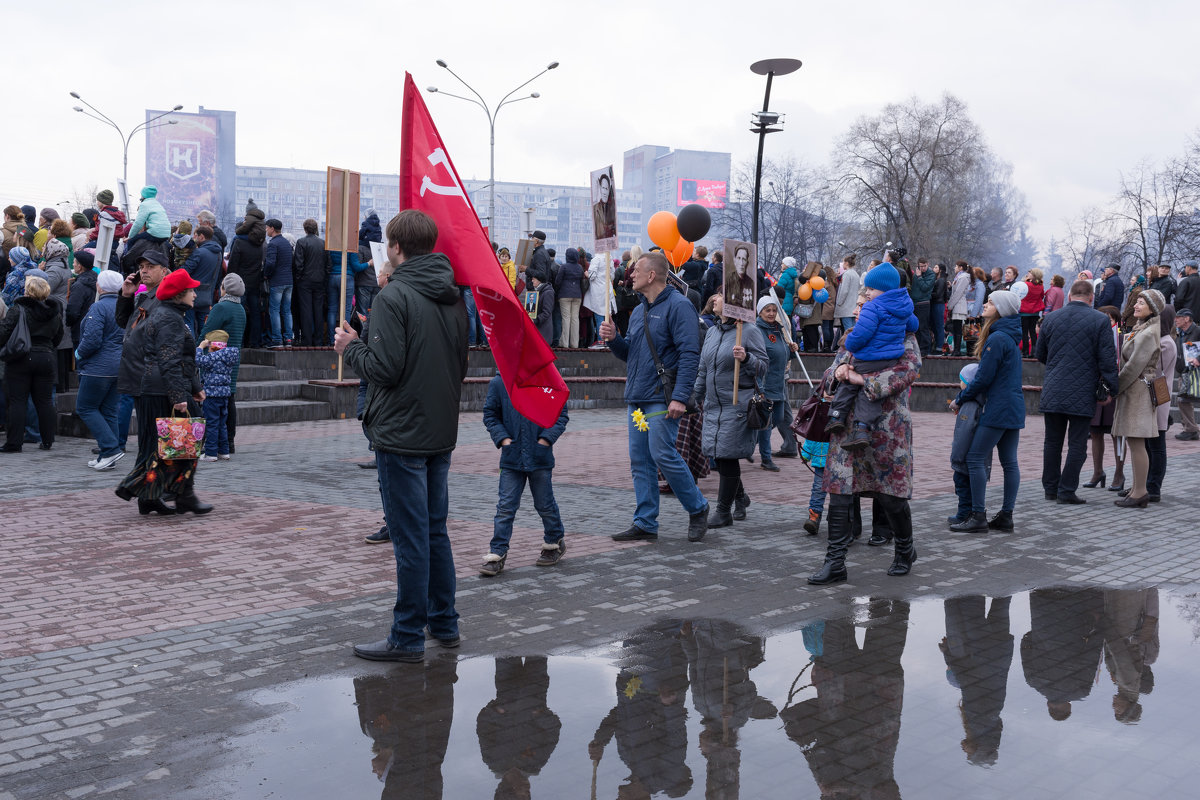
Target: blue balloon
[{"x": 820, "y": 296}]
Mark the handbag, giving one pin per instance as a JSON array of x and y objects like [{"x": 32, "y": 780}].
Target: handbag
[
  {"x": 1160, "y": 389},
  {"x": 19, "y": 343},
  {"x": 812, "y": 416},
  {"x": 759, "y": 410},
  {"x": 666, "y": 377},
  {"x": 179, "y": 437}
]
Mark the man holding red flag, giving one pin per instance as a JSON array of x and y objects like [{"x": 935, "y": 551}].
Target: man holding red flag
[
  {"x": 429, "y": 182},
  {"x": 414, "y": 362}
]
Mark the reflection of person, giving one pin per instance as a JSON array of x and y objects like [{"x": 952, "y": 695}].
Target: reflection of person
[
  {"x": 739, "y": 282},
  {"x": 517, "y": 730},
  {"x": 978, "y": 649},
  {"x": 604, "y": 210},
  {"x": 856, "y": 713},
  {"x": 650, "y": 718},
  {"x": 720, "y": 657},
  {"x": 1130, "y": 647},
  {"x": 1061, "y": 651},
  {"x": 407, "y": 714}
]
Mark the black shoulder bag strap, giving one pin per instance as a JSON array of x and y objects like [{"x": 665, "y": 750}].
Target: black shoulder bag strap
[{"x": 663, "y": 377}]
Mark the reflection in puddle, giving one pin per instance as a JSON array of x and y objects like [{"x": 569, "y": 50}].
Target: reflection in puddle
[{"x": 920, "y": 700}]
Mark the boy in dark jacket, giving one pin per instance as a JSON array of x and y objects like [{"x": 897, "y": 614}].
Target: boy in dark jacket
[
  {"x": 877, "y": 343},
  {"x": 964, "y": 431},
  {"x": 526, "y": 455},
  {"x": 217, "y": 361}
]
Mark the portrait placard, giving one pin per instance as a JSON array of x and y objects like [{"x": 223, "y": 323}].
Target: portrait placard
[
  {"x": 604, "y": 209},
  {"x": 740, "y": 286}
]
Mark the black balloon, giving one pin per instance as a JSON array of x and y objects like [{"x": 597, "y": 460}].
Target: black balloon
[{"x": 693, "y": 222}]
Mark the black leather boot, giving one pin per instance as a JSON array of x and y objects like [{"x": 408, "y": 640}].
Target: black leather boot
[
  {"x": 899, "y": 517},
  {"x": 834, "y": 568},
  {"x": 155, "y": 507},
  {"x": 1003, "y": 521},
  {"x": 720, "y": 517},
  {"x": 741, "y": 502},
  {"x": 189, "y": 502},
  {"x": 975, "y": 523}
]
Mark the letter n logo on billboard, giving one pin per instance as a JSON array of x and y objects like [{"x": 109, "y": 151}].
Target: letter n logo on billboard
[{"x": 183, "y": 159}]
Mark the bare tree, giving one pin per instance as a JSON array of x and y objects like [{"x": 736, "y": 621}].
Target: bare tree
[
  {"x": 1155, "y": 210},
  {"x": 1092, "y": 242}
]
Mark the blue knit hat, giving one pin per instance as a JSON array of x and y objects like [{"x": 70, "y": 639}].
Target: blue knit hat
[
  {"x": 968, "y": 373},
  {"x": 882, "y": 278},
  {"x": 149, "y": 191}
]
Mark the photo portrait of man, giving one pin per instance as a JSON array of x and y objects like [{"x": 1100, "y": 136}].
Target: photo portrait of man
[
  {"x": 740, "y": 280},
  {"x": 604, "y": 209}
]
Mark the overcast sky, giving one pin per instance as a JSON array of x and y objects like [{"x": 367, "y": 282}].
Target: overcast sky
[{"x": 1069, "y": 92}]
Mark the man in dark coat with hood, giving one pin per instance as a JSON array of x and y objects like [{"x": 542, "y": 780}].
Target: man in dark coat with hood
[
  {"x": 246, "y": 256},
  {"x": 414, "y": 361}
]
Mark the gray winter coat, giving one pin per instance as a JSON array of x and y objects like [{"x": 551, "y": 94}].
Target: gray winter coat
[
  {"x": 725, "y": 432},
  {"x": 60, "y": 283}
]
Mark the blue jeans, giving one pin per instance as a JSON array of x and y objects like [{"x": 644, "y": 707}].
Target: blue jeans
[
  {"x": 124, "y": 413},
  {"x": 816, "y": 497},
  {"x": 937, "y": 320},
  {"x": 195, "y": 317},
  {"x": 281, "y": 311},
  {"x": 331, "y": 314},
  {"x": 416, "y": 502},
  {"x": 962, "y": 490},
  {"x": 216, "y": 426},
  {"x": 781, "y": 420},
  {"x": 979, "y": 458},
  {"x": 363, "y": 296},
  {"x": 512, "y": 486},
  {"x": 848, "y": 323},
  {"x": 653, "y": 452},
  {"x": 474, "y": 332},
  {"x": 96, "y": 405}
]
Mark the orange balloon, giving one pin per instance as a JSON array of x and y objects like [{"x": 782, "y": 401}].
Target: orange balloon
[
  {"x": 682, "y": 252},
  {"x": 663, "y": 230},
  {"x": 816, "y": 282},
  {"x": 804, "y": 292}
]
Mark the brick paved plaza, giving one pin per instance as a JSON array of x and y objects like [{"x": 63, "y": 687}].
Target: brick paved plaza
[{"x": 145, "y": 657}]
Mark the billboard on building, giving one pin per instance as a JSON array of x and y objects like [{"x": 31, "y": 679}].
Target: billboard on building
[
  {"x": 187, "y": 161},
  {"x": 710, "y": 194}
]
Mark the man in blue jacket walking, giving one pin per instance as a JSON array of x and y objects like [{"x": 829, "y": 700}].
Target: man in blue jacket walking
[{"x": 662, "y": 353}]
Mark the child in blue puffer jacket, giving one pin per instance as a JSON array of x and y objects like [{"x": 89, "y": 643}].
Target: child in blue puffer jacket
[
  {"x": 877, "y": 342},
  {"x": 216, "y": 359}
]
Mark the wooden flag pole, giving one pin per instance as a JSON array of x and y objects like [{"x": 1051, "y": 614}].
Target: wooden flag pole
[
  {"x": 608, "y": 287},
  {"x": 737, "y": 365},
  {"x": 345, "y": 257}
]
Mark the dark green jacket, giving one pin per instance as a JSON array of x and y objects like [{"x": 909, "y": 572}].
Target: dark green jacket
[
  {"x": 921, "y": 288},
  {"x": 414, "y": 360},
  {"x": 230, "y": 317}
]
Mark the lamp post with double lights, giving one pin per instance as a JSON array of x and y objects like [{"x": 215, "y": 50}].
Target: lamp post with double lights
[
  {"x": 765, "y": 121},
  {"x": 491, "y": 115},
  {"x": 100, "y": 116}
]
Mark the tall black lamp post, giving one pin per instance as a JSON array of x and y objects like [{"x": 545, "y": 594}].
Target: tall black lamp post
[{"x": 766, "y": 121}]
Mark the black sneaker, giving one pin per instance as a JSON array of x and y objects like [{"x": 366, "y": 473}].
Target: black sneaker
[
  {"x": 492, "y": 565},
  {"x": 551, "y": 554},
  {"x": 785, "y": 454},
  {"x": 635, "y": 534},
  {"x": 378, "y": 537}
]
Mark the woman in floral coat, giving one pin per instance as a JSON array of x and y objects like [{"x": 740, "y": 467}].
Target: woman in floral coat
[{"x": 883, "y": 471}]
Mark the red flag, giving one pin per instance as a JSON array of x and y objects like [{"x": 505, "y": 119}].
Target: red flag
[{"x": 429, "y": 183}]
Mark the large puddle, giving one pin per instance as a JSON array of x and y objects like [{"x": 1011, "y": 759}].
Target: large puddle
[{"x": 1056, "y": 693}]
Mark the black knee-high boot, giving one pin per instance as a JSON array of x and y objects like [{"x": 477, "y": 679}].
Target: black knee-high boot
[
  {"x": 899, "y": 516},
  {"x": 741, "y": 501},
  {"x": 726, "y": 493},
  {"x": 840, "y": 534}
]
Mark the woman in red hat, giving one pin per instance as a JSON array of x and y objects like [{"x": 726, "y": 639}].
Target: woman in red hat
[{"x": 170, "y": 384}]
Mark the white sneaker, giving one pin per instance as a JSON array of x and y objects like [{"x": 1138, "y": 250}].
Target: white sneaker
[
  {"x": 94, "y": 462},
  {"x": 208, "y": 458},
  {"x": 224, "y": 457},
  {"x": 108, "y": 463}
]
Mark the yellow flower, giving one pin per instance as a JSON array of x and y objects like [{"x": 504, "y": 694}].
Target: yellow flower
[{"x": 639, "y": 420}]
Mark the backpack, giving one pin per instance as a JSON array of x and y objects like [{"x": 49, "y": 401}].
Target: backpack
[{"x": 19, "y": 343}]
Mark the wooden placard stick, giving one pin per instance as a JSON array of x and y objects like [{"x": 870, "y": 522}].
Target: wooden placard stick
[
  {"x": 345, "y": 256},
  {"x": 608, "y": 287}
]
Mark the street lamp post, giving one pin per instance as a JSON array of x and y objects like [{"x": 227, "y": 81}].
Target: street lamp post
[
  {"x": 491, "y": 115},
  {"x": 100, "y": 116},
  {"x": 764, "y": 121}
]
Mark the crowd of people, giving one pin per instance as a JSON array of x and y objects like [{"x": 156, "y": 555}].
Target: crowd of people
[{"x": 158, "y": 322}]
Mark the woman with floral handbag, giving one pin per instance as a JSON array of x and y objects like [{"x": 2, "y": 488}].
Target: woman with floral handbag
[{"x": 170, "y": 385}]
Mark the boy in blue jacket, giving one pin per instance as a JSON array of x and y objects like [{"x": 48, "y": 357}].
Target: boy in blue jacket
[
  {"x": 526, "y": 456},
  {"x": 216, "y": 360},
  {"x": 877, "y": 342}
]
